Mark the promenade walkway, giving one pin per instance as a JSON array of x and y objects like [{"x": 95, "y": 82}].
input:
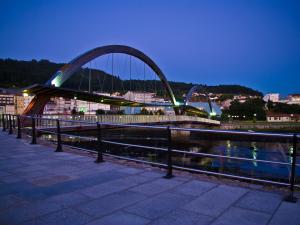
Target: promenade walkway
[{"x": 41, "y": 187}]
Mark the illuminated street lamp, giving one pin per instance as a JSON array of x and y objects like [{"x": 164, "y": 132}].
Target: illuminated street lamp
[{"x": 254, "y": 117}]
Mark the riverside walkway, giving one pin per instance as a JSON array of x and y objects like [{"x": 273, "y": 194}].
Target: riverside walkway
[{"x": 41, "y": 187}]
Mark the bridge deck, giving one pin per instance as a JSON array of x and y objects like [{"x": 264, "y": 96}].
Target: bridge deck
[{"x": 38, "y": 186}]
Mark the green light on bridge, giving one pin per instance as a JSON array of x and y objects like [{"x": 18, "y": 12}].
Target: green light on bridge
[
  {"x": 57, "y": 81},
  {"x": 178, "y": 103},
  {"x": 213, "y": 114}
]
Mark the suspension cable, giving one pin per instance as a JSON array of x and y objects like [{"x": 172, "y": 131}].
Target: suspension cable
[
  {"x": 130, "y": 73},
  {"x": 112, "y": 72},
  {"x": 144, "y": 82}
]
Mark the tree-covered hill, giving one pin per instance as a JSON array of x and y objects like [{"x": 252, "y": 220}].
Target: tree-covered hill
[{"x": 19, "y": 74}]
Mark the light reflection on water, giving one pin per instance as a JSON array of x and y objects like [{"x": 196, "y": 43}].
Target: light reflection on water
[{"x": 252, "y": 150}]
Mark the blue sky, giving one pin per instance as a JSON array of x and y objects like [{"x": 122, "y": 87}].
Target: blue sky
[{"x": 254, "y": 43}]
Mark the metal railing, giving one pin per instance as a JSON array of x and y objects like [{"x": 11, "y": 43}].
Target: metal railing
[
  {"x": 125, "y": 119},
  {"x": 31, "y": 123}
]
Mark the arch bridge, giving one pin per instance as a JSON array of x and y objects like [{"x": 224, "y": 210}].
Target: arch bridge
[
  {"x": 195, "y": 89},
  {"x": 52, "y": 88}
]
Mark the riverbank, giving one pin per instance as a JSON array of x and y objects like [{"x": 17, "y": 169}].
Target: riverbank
[{"x": 281, "y": 127}]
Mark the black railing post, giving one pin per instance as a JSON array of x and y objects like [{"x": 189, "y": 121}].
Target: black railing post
[
  {"x": 99, "y": 144},
  {"x": 291, "y": 197},
  {"x": 33, "y": 142},
  {"x": 3, "y": 123},
  {"x": 7, "y": 121},
  {"x": 10, "y": 124},
  {"x": 59, "y": 146},
  {"x": 14, "y": 121},
  {"x": 169, "y": 154},
  {"x": 19, "y": 135}
]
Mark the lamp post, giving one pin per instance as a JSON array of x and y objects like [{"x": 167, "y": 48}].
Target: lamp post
[{"x": 254, "y": 117}]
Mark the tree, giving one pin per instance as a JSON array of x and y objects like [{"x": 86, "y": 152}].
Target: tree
[
  {"x": 144, "y": 111},
  {"x": 160, "y": 112},
  {"x": 249, "y": 110},
  {"x": 100, "y": 112},
  {"x": 225, "y": 97},
  {"x": 285, "y": 108},
  {"x": 74, "y": 111}
]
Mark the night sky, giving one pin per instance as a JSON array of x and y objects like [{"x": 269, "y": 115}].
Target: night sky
[{"x": 254, "y": 43}]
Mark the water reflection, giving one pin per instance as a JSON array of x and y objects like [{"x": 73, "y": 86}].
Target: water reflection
[{"x": 270, "y": 151}]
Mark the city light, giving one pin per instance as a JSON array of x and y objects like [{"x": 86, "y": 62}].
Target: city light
[{"x": 213, "y": 114}]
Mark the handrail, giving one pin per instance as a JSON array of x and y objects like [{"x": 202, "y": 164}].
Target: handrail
[
  {"x": 8, "y": 120},
  {"x": 213, "y": 131},
  {"x": 136, "y": 146},
  {"x": 230, "y": 157}
]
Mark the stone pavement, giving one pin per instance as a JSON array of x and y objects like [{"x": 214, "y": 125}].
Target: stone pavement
[{"x": 40, "y": 187}]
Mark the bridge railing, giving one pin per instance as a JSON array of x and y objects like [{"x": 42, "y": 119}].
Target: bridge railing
[
  {"x": 133, "y": 118},
  {"x": 39, "y": 125}
]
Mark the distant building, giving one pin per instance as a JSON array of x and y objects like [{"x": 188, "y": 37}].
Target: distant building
[
  {"x": 59, "y": 105},
  {"x": 294, "y": 99},
  {"x": 11, "y": 101},
  {"x": 27, "y": 99},
  {"x": 226, "y": 104},
  {"x": 243, "y": 98},
  {"x": 146, "y": 97},
  {"x": 7, "y": 104},
  {"x": 282, "y": 117},
  {"x": 139, "y": 96},
  {"x": 273, "y": 97}
]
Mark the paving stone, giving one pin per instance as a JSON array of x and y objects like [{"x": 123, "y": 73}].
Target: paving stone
[
  {"x": 16, "y": 187},
  {"x": 159, "y": 205},
  {"x": 26, "y": 212},
  {"x": 138, "y": 179},
  {"x": 215, "y": 201},
  {"x": 68, "y": 199},
  {"x": 130, "y": 170},
  {"x": 107, "y": 188},
  {"x": 50, "y": 180},
  {"x": 32, "y": 168},
  {"x": 153, "y": 174},
  {"x": 287, "y": 214},
  {"x": 260, "y": 201},
  {"x": 68, "y": 186},
  {"x": 105, "y": 205},
  {"x": 120, "y": 218},
  {"x": 156, "y": 186},
  {"x": 4, "y": 174},
  {"x": 11, "y": 179},
  {"x": 34, "y": 174},
  {"x": 237, "y": 216},
  {"x": 8, "y": 201},
  {"x": 183, "y": 217},
  {"x": 194, "y": 188},
  {"x": 62, "y": 217}
]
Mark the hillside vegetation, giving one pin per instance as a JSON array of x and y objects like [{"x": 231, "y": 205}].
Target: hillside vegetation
[{"x": 19, "y": 74}]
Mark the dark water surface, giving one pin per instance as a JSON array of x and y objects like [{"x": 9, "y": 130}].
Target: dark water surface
[{"x": 192, "y": 142}]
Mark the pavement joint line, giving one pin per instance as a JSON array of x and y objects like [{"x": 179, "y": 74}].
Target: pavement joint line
[
  {"x": 272, "y": 215},
  {"x": 109, "y": 212},
  {"x": 225, "y": 210}
]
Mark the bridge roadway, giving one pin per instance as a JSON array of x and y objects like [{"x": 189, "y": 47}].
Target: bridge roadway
[
  {"x": 43, "y": 93},
  {"x": 39, "y": 186}
]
